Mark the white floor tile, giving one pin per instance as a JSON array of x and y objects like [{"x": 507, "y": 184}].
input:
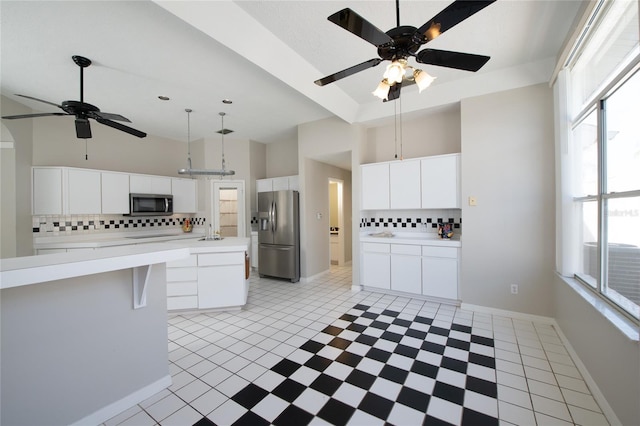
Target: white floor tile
[
  {"x": 550, "y": 407},
  {"x": 515, "y": 415},
  {"x": 587, "y": 417},
  {"x": 444, "y": 410},
  {"x": 270, "y": 407},
  {"x": 193, "y": 390},
  {"x": 227, "y": 413},
  {"x": 140, "y": 419},
  {"x": 185, "y": 416},
  {"x": 208, "y": 401},
  {"x": 165, "y": 407}
]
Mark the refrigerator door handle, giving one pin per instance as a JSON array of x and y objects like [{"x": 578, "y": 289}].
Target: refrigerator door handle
[{"x": 275, "y": 216}]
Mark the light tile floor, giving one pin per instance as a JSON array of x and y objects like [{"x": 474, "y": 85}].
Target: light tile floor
[{"x": 218, "y": 360}]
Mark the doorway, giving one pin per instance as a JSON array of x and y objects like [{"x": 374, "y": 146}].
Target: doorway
[
  {"x": 336, "y": 222},
  {"x": 228, "y": 208}
]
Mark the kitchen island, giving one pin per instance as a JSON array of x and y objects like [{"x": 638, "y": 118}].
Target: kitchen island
[{"x": 84, "y": 334}]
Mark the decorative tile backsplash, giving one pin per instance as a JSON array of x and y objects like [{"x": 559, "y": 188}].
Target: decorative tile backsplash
[
  {"x": 74, "y": 225},
  {"x": 412, "y": 220}
]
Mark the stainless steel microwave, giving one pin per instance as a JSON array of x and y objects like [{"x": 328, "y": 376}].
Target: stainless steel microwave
[{"x": 150, "y": 205}]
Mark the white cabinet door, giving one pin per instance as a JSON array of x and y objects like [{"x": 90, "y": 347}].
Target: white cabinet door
[
  {"x": 184, "y": 193},
  {"x": 404, "y": 184},
  {"x": 264, "y": 185},
  {"x": 440, "y": 272},
  {"x": 47, "y": 191},
  {"x": 441, "y": 182},
  {"x": 220, "y": 286},
  {"x": 115, "y": 193},
  {"x": 146, "y": 184},
  {"x": 84, "y": 192},
  {"x": 375, "y": 186},
  {"x": 376, "y": 265},
  {"x": 406, "y": 268}
]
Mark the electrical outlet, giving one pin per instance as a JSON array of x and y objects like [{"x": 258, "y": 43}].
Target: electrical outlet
[
  {"x": 473, "y": 201},
  {"x": 514, "y": 288}
]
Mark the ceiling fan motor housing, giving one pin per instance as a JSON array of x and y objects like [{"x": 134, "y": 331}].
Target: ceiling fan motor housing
[{"x": 403, "y": 45}]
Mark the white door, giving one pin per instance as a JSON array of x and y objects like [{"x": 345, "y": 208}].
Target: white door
[{"x": 228, "y": 208}]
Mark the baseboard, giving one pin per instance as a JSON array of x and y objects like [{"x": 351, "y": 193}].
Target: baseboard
[
  {"x": 506, "y": 313},
  {"x": 591, "y": 383},
  {"x": 125, "y": 403},
  {"x": 305, "y": 280}
]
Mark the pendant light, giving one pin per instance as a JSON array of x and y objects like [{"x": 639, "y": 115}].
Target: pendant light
[{"x": 203, "y": 172}]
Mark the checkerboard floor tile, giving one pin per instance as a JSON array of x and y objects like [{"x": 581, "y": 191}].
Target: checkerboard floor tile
[{"x": 317, "y": 353}]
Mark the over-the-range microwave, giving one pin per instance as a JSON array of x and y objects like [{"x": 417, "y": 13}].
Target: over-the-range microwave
[{"x": 150, "y": 205}]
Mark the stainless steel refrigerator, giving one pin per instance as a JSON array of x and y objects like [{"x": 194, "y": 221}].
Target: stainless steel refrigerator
[{"x": 279, "y": 235}]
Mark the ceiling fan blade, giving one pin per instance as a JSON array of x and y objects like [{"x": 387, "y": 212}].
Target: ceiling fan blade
[
  {"x": 450, "y": 16},
  {"x": 39, "y": 100},
  {"x": 356, "y": 24},
  {"x": 83, "y": 128},
  {"x": 457, "y": 60},
  {"x": 42, "y": 114},
  {"x": 394, "y": 92},
  {"x": 121, "y": 127},
  {"x": 111, "y": 116},
  {"x": 349, "y": 71}
]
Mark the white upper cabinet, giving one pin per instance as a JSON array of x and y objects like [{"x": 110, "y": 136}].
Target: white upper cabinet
[
  {"x": 282, "y": 183},
  {"x": 375, "y": 186},
  {"x": 404, "y": 184},
  {"x": 47, "y": 190},
  {"x": 441, "y": 181},
  {"x": 84, "y": 192},
  {"x": 115, "y": 193},
  {"x": 184, "y": 193},
  {"x": 146, "y": 184}
]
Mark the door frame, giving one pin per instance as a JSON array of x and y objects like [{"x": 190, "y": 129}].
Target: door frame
[
  {"x": 216, "y": 185},
  {"x": 340, "y": 183}
]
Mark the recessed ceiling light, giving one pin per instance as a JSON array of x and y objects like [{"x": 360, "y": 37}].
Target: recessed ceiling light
[
  {"x": 163, "y": 98},
  {"x": 227, "y": 101}
]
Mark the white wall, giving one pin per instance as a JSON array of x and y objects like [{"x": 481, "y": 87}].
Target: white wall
[
  {"x": 282, "y": 159},
  {"x": 508, "y": 165},
  {"x": 8, "y": 192},
  {"x": 436, "y": 133}
]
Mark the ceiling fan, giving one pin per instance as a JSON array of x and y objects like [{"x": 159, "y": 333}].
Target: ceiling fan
[
  {"x": 82, "y": 110},
  {"x": 402, "y": 42}
]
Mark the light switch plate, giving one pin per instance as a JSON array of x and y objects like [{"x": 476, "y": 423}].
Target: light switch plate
[{"x": 473, "y": 201}]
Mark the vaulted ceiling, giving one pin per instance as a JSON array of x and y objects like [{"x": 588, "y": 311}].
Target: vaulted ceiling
[{"x": 263, "y": 55}]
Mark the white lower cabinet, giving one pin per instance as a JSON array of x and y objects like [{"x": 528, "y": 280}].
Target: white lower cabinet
[
  {"x": 207, "y": 281},
  {"x": 376, "y": 265},
  {"x": 406, "y": 268},
  {"x": 440, "y": 272},
  {"x": 425, "y": 270},
  {"x": 221, "y": 280}
]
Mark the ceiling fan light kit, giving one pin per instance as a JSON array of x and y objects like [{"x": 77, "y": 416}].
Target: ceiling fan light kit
[
  {"x": 82, "y": 110},
  {"x": 402, "y": 42}
]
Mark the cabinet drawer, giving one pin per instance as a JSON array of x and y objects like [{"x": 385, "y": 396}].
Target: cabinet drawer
[
  {"x": 214, "y": 259},
  {"x": 189, "y": 261},
  {"x": 182, "y": 289},
  {"x": 376, "y": 247},
  {"x": 405, "y": 249},
  {"x": 182, "y": 302},
  {"x": 450, "y": 252},
  {"x": 182, "y": 274}
]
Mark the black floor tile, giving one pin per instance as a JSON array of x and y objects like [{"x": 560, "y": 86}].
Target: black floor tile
[
  {"x": 318, "y": 363},
  {"x": 376, "y": 406},
  {"x": 251, "y": 419},
  {"x": 449, "y": 392},
  {"x": 336, "y": 412},
  {"x": 289, "y": 390},
  {"x": 293, "y": 415},
  {"x": 393, "y": 337},
  {"x": 425, "y": 369},
  {"x": 312, "y": 346},
  {"x": 204, "y": 422},
  {"x": 326, "y": 384},
  {"x": 461, "y": 328},
  {"x": 423, "y": 320},
  {"x": 393, "y": 374},
  {"x": 401, "y": 322},
  {"x": 407, "y": 351},
  {"x": 379, "y": 324},
  {"x": 416, "y": 333},
  {"x": 333, "y": 330},
  {"x": 378, "y": 354},
  {"x": 349, "y": 359},
  {"x": 361, "y": 379},
  {"x": 250, "y": 395},
  {"x": 459, "y": 344},
  {"x": 439, "y": 330},
  {"x": 366, "y": 340},
  {"x": 358, "y": 328},
  {"x": 414, "y": 399},
  {"x": 483, "y": 360},
  {"x": 361, "y": 307},
  {"x": 482, "y": 386},
  {"x": 454, "y": 364},
  {"x": 433, "y": 347},
  {"x": 348, "y": 317},
  {"x": 370, "y": 315},
  {"x": 390, "y": 313},
  {"x": 473, "y": 418},
  {"x": 340, "y": 343},
  {"x": 285, "y": 367},
  {"x": 486, "y": 341}
]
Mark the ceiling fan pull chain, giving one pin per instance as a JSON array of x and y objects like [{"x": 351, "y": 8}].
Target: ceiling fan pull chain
[
  {"x": 395, "y": 130},
  {"x": 397, "y": 13},
  {"x": 400, "y": 116},
  {"x": 86, "y": 151}
]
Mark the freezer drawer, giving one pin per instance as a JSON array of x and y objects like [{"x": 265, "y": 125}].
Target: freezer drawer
[{"x": 279, "y": 261}]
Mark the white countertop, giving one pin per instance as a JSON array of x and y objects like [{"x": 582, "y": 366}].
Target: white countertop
[
  {"x": 19, "y": 271},
  {"x": 417, "y": 238},
  {"x": 213, "y": 246},
  {"x": 99, "y": 240}
]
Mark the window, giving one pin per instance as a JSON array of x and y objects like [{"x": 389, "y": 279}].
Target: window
[{"x": 603, "y": 86}]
